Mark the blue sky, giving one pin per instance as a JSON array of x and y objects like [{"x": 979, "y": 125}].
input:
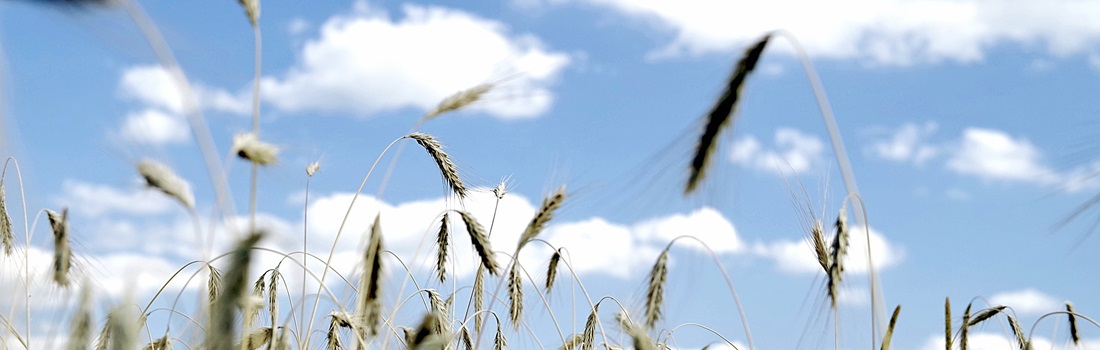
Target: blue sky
[{"x": 970, "y": 127}]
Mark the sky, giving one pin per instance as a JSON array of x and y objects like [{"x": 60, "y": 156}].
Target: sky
[{"x": 970, "y": 127}]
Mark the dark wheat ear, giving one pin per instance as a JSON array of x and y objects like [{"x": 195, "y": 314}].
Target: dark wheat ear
[
  {"x": 441, "y": 242},
  {"x": 62, "y": 255},
  {"x": 655, "y": 295},
  {"x": 368, "y": 306},
  {"x": 890, "y": 329},
  {"x": 722, "y": 113},
  {"x": 1073, "y": 324},
  {"x": 480, "y": 242}
]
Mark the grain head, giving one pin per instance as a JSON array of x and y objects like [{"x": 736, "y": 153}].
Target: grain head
[
  {"x": 247, "y": 146},
  {"x": 447, "y": 167},
  {"x": 161, "y": 177}
]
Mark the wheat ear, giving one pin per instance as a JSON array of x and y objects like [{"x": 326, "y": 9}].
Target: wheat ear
[
  {"x": 162, "y": 343},
  {"x": 249, "y": 147},
  {"x": 441, "y": 242},
  {"x": 480, "y": 242},
  {"x": 223, "y": 323},
  {"x": 457, "y": 101},
  {"x": 447, "y": 167},
  {"x": 550, "y": 204},
  {"x": 839, "y": 253},
  {"x": 890, "y": 329},
  {"x": 655, "y": 295},
  {"x": 588, "y": 338},
  {"x": 7, "y": 236},
  {"x": 947, "y": 329},
  {"x": 552, "y": 269},
  {"x": 515, "y": 295},
  {"x": 162, "y": 178},
  {"x": 62, "y": 254},
  {"x": 722, "y": 113},
  {"x": 1073, "y": 324},
  {"x": 368, "y": 306}
]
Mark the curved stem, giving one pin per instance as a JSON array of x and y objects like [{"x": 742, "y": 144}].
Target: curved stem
[
  {"x": 27, "y": 240},
  {"x": 729, "y": 283}
]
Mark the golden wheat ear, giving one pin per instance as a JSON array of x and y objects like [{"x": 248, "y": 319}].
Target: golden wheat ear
[{"x": 721, "y": 114}]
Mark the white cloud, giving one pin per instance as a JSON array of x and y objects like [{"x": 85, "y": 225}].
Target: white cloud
[
  {"x": 892, "y": 32},
  {"x": 369, "y": 62},
  {"x": 994, "y": 155},
  {"x": 909, "y": 143},
  {"x": 94, "y": 200},
  {"x": 153, "y": 127},
  {"x": 153, "y": 86},
  {"x": 795, "y": 152},
  {"x": 1000, "y": 341},
  {"x": 1027, "y": 301},
  {"x": 798, "y": 256}
]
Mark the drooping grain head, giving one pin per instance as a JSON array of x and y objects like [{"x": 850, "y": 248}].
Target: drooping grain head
[
  {"x": 588, "y": 338},
  {"x": 62, "y": 254},
  {"x": 214, "y": 283},
  {"x": 332, "y": 338},
  {"x": 552, "y": 269},
  {"x": 641, "y": 339},
  {"x": 161, "y": 177},
  {"x": 441, "y": 309},
  {"x": 655, "y": 295},
  {"x": 1073, "y": 332},
  {"x": 457, "y": 101},
  {"x": 252, "y": 10},
  {"x": 368, "y": 306},
  {"x": 480, "y": 241},
  {"x": 721, "y": 114},
  {"x": 162, "y": 343},
  {"x": 273, "y": 297},
  {"x": 478, "y": 294},
  {"x": 1018, "y": 333},
  {"x": 821, "y": 249},
  {"x": 7, "y": 236},
  {"x": 256, "y": 339},
  {"x": 839, "y": 251},
  {"x": 499, "y": 342},
  {"x": 515, "y": 295},
  {"x": 571, "y": 343},
  {"x": 247, "y": 146},
  {"x": 985, "y": 315},
  {"x": 890, "y": 329},
  {"x": 442, "y": 241},
  {"x": 447, "y": 167},
  {"x": 501, "y": 188},
  {"x": 550, "y": 204},
  {"x": 80, "y": 332}
]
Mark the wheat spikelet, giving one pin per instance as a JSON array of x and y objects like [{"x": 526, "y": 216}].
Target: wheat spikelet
[
  {"x": 1073, "y": 324},
  {"x": 1021, "y": 338},
  {"x": 552, "y": 269},
  {"x": 839, "y": 252},
  {"x": 368, "y": 306},
  {"x": 515, "y": 295},
  {"x": 80, "y": 333},
  {"x": 964, "y": 342},
  {"x": 571, "y": 343},
  {"x": 467, "y": 340},
  {"x": 247, "y": 146},
  {"x": 642, "y": 341},
  {"x": 821, "y": 249},
  {"x": 252, "y": 308},
  {"x": 62, "y": 254},
  {"x": 273, "y": 297},
  {"x": 447, "y": 168},
  {"x": 721, "y": 114},
  {"x": 104, "y": 338},
  {"x": 332, "y": 338},
  {"x": 252, "y": 10},
  {"x": 441, "y": 241},
  {"x": 256, "y": 339},
  {"x": 219, "y": 334},
  {"x": 161, "y": 343},
  {"x": 478, "y": 294},
  {"x": 312, "y": 168},
  {"x": 546, "y": 212},
  {"x": 890, "y": 329},
  {"x": 655, "y": 295},
  {"x": 947, "y": 330},
  {"x": 985, "y": 315},
  {"x": 7, "y": 236},
  {"x": 458, "y": 100},
  {"x": 439, "y": 308},
  {"x": 588, "y": 338},
  {"x": 480, "y": 242},
  {"x": 214, "y": 283},
  {"x": 499, "y": 343},
  {"x": 162, "y": 178}
]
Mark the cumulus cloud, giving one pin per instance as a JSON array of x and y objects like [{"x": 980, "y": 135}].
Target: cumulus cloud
[
  {"x": 909, "y": 143},
  {"x": 154, "y": 127},
  {"x": 1027, "y": 301},
  {"x": 798, "y": 256},
  {"x": 795, "y": 152},
  {"x": 995, "y": 155},
  {"x": 153, "y": 86},
  {"x": 997, "y": 341},
  {"x": 893, "y": 32},
  {"x": 370, "y": 62},
  {"x": 92, "y": 200}
]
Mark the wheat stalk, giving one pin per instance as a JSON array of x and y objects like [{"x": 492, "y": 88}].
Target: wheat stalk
[
  {"x": 62, "y": 254},
  {"x": 161, "y": 177},
  {"x": 655, "y": 295},
  {"x": 480, "y": 242},
  {"x": 447, "y": 167},
  {"x": 721, "y": 114},
  {"x": 368, "y": 306}
]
